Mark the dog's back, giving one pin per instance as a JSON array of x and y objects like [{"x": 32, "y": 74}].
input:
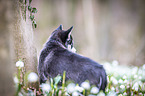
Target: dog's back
[{"x": 55, "y": 58}]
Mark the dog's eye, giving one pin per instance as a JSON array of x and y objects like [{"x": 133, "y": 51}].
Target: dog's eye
[{"x": 69, "y": 41}]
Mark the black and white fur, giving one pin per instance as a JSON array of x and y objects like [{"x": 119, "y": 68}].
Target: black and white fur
[{"x": 57, "y": 57}]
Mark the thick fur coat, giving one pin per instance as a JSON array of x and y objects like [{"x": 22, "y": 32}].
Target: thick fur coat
[{"x": 56, "y": 57}]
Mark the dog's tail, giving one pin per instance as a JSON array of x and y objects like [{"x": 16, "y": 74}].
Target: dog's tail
[{"x": 103, "y": 80}]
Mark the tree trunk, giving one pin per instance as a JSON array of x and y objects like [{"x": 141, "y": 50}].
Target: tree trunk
[
  {"x": 16, "y": 42},
  {"x": 23, "y": 38},
  {"x": 7, "y": 17}
]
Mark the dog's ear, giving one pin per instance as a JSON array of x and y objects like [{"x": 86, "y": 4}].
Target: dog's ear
[
  {"x": 69, "y": 30},
  {"x": 59, "y": 28},
  {"x": 66, "y": 34}
]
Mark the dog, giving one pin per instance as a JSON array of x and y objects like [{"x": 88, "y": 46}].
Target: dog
[{"x": 58, "y": 55}]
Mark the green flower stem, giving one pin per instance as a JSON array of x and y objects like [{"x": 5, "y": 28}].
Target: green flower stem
[
  {"x": 19, "y": 74},
  {"x": 19, "y": 83},
  {"x": 63, "y": 82},
  {"x": 84, "y": 92}
]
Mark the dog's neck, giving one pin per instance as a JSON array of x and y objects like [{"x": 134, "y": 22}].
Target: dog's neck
[{"x": 51, "y": 43}]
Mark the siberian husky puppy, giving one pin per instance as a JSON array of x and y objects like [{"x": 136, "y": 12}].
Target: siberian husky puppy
[{"x": 58, "y": 55}]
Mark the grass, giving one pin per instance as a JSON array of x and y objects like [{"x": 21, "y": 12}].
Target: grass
[{"x": 122, "y": 81}]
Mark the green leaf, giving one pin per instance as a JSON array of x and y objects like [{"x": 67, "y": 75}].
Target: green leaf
[
  {"x": 30, "y": 2},
  {"x": 25, "y": 2},
  {"x": 34, "y": 10},
  {"x": 18, "y": 90},
  {"x": 57, "y": 79},
  {"x": 57, "y": 93},
  {"x": 32, "y": 17},
  {"x": 34, "y": 23},
  {"x": 51, "y": 83},
  {"x": 29, "y": 8},
  {"x": 63, "y": 81}
]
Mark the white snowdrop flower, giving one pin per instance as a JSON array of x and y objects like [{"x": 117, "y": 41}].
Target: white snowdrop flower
[
  {"x": 122, "y": 86},
  {"x": 101, "y": 94},
  {"x": 135, "y": 86},
  {"x": 16, "y": 80},
  {"x": 107, "y": 90},
  {"x": 78, "y": 88},
  {"x": 94, "y": 90},
  {"x": 140, "y": 94},
  {"x": 20, "y": 94},
  {"x": 140, "y": 83},
  {"x": 143, "y": 66},
  {"x": 115, "y": 63},
  {"x": 125, "y": 81},
  {"x": 32, "y": 77},
  {"x": 112, "y": 93},
  {"x": 135, "y": 76},
  {"x": 134, "y": 70},
  {"x": 113, "y": 88},
  {"x": 120, "y": 81},
  {"x": 120, "y": 95},
  {"x": 45, "y": 87},
  {"x": 107, "y": 67},
  {"x": 75, "y": 93},
  {"x": 19, "y": 64},
  {"x": 114, "y": 80},
  {"x": 140, "y": 71},
  {"x": 71, "y": 87},
  {"x": 124, "y": 77},
  {"x": 85, "y": 85},
  {"x": 124, "y": 94},
  {"x": 128, "y": 86},
  {"x": 140, "y": 77},
  {"x": 66, "y": 94}
]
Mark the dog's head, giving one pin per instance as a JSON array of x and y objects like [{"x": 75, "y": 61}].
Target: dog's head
[{"x": 64, "y": 37}]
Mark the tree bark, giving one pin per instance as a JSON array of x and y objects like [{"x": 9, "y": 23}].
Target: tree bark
[{"x": 24, "y": 48}]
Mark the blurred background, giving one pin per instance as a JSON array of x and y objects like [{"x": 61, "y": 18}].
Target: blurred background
[{"x": 104, "y": 30}]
